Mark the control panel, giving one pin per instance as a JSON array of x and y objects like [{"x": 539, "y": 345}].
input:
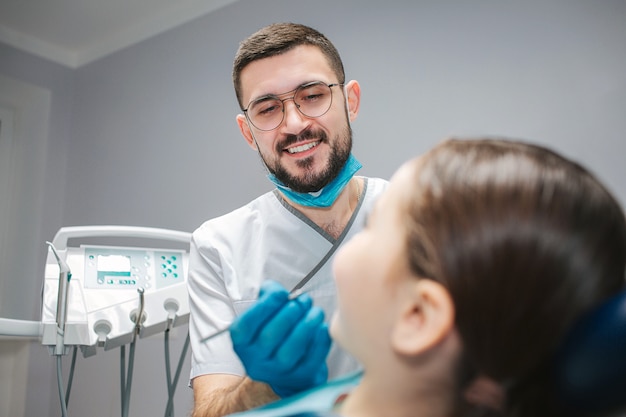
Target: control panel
[{"x": 124, "y": 268}]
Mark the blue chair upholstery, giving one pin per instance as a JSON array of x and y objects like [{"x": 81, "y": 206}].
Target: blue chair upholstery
[{"x": 590, "y": 369}]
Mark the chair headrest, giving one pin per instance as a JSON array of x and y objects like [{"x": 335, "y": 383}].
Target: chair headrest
[{"x": 590, "y": 369}]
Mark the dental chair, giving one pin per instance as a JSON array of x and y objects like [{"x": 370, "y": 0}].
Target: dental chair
[{"x": 590, "y": 368}]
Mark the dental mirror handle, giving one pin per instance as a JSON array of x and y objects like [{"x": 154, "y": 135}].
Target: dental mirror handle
[{"x": 292, "y": 296}]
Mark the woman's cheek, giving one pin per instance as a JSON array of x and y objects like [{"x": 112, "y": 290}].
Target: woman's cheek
[
  {"x": 341, "y": 270},
  {"x": 334, "y": 328},
  {"x": 348, "y": 259},
  {"x": 340, "y": 328}
]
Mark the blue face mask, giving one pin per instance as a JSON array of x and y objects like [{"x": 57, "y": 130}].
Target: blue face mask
[{"x": 327, "y": 195}]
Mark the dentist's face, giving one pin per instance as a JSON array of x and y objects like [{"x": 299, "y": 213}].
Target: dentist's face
[{"x": 302, "y": 152}]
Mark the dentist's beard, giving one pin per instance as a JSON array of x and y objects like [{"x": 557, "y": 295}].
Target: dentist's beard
[{"x": 310, "y": 181}]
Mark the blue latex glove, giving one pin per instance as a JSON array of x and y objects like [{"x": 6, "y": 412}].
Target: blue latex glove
[{"x": 283, "y": 342}]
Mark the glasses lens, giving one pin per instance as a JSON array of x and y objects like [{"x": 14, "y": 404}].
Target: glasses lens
[
  {"x": 266, "y": 113},
  {"x": 313, "y": 100}
]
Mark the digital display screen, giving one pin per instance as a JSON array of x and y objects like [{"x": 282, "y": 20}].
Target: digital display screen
[
  {"x": 117, "y": 263},
  {"x": 114, "y": 269}
]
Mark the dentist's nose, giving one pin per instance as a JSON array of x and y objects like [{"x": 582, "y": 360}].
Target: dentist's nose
[{"x": 293, "y": 119}]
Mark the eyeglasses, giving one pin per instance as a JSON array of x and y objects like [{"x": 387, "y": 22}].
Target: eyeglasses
[{"x": 311, "y": 99}]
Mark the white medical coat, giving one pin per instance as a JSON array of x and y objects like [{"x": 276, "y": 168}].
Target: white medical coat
[{"x": 231, "y": 255}]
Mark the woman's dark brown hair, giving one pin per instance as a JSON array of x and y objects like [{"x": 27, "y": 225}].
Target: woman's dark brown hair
[{"x": 525, "y": 241}]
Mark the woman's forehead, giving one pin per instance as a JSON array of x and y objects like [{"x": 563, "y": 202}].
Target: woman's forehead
[{"x": 399, "y": 190}]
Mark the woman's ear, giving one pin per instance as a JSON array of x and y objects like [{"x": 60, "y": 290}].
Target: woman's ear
[
  {"x": 244, "y": 127},
  {"x": 425, "y": 320},
  {"x": 352, "y": 91}
]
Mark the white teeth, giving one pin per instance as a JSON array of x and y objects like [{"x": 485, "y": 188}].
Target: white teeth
[{"x": 302, "y": 148}]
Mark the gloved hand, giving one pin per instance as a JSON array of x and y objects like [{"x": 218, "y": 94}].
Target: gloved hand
[{"x": 283, "y": 342}]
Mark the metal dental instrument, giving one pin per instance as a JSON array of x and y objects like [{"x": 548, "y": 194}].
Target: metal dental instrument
[
  {"x": 292, "y": 296},
  {"x": 64, "y": 280}
]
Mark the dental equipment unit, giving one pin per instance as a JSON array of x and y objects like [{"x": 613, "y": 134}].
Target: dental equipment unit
[{"x": 103, "y": 296}]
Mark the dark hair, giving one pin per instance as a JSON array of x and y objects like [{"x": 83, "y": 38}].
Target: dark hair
[
  {"x": 277, "y": 39},
  {"x": 525, "y": 241}
]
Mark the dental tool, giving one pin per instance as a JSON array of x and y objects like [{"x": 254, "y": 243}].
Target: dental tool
[{"x": 65, "y": 275}]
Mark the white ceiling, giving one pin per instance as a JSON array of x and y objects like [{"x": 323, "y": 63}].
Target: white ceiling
[{"x": 76, "y": 32}]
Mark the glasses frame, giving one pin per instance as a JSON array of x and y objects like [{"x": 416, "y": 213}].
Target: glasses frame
[{"x": 292, "y": 97}]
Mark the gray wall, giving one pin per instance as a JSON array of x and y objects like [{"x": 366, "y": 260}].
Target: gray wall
[
  {"x": 147, "y": 136},
  {"x": 21, "y": 297},
  {"x": 59, "y": 81}
]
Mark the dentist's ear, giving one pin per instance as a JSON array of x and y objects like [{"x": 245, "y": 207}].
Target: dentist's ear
[
  {"x": 244, "y": 127},
  {"x": 352, "y": 94},
  {"x": 425, "y": 321}
]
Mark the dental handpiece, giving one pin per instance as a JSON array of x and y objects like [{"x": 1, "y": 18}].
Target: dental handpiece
[
  {"x": 64, "y": 279},
  {"x": 292, "y": 296}
]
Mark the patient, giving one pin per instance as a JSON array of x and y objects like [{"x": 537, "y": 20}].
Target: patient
[{"x": 472, "y": 267}]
